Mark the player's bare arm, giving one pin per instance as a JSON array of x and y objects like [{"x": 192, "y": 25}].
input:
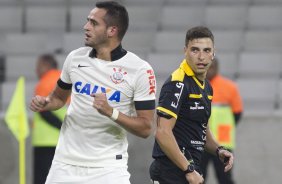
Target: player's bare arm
[
  {"x": 140, "y": 125},
  {"x": 54, "y": 101}
]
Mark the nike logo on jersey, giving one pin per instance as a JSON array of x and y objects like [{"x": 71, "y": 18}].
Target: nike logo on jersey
[{"x": 80, "y": 66}]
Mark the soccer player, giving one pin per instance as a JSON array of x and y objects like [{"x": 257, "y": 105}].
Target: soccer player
[
  {"x": 184, "y": 109},
  {"x": 112, "y": 91}
]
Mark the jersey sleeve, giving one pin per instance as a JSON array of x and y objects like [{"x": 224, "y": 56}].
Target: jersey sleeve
[
  {"x": 145, "y": 84},
  {"x": 171, "y": 97},
  {"x": 65, "y": 77}
]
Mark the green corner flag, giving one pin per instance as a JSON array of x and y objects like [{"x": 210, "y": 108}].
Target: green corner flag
[{"x": 16, "y": 116}]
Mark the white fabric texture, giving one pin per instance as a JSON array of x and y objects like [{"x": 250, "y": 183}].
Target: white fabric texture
[
  {"x": 88, "y": 138},
  {"x": 61, "y": 173}
]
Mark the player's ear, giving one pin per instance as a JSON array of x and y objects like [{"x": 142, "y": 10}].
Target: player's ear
[{"x": 112, "y": 30}]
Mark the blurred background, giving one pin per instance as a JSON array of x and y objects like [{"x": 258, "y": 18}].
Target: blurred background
[{"x": 248, "y": 41}]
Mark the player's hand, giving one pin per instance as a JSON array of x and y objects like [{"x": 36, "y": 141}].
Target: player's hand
[
  {"x": 226, "y": 158},
  {"x": 38, "y": 103},
  {"x": 101, "y": 104},
  {"x": 194, "y": 178}
]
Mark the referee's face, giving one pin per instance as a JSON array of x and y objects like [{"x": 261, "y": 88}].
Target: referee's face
[{"x": 199, "y": 54}]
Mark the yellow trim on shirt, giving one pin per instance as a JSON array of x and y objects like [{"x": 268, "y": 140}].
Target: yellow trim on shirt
[
  {"x": 178, "y": 75},
  {"x": 195, "y": 96},
  {"x": 198, "y": 82},
  {"x": 187, "y": 69},
  {"x": 167, "y": 111}
]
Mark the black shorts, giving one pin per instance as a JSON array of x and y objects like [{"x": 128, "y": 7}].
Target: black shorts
[{"x": 164, "y": 171}]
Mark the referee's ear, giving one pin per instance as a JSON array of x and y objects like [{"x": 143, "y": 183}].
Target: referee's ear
[{"x": 213, "y": 56}]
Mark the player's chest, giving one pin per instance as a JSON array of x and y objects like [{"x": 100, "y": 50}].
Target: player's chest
[{"x": 114, "y": 81}]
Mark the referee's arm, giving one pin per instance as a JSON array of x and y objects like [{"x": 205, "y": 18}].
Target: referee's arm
[
  {"x": 224, "y": 155},
  {"x": 169, "y": 146},
  {"x": 211, "y": 143}
]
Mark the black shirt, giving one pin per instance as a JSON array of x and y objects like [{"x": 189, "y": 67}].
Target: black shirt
[{"x": 188, "y": 100}]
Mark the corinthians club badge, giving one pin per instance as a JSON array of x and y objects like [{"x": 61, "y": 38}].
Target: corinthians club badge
[{"x": 118, "y": 75}]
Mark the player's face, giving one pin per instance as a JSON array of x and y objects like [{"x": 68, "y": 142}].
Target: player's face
[
  {"x": 199, "y": 54},
  {"x": 96, "y": 28}
]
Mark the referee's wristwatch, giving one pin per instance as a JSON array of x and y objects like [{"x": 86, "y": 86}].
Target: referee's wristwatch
[{"x": 190, "y": 168}]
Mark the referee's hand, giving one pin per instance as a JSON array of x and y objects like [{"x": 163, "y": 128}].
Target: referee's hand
[
  {"x": 194, "y": 178},
  {"x": 226, "y": 158}
]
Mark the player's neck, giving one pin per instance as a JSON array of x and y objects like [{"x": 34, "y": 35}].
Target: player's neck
[{"x": 104, "y": 52}]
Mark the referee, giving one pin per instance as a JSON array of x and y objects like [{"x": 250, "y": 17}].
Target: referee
[{"x": 183, "y": 111}]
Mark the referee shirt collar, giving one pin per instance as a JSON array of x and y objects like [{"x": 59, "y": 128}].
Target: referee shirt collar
[
  {"x": 116, "y": 54},
  {"x": 186, "y": 68}
]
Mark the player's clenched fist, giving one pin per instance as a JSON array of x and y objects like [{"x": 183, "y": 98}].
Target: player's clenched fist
[
  {"x": 101, "y": 104},
  {"x": 38, "y": 103}
]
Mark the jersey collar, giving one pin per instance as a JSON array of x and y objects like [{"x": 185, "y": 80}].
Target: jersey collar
[
  {"x": 116, "y": 54},
  {"x": 187, "y": 69}
]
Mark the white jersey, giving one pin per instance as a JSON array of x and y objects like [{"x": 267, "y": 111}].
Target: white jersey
[{"x": 87, "y": 137}]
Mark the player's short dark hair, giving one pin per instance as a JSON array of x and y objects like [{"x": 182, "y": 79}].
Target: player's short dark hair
[
  {"x": 198, "y": 32},
  {"x": 116, "y": 15},
  {"x": 49, "y": 59}
]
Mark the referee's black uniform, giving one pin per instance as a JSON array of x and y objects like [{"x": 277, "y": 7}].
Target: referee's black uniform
[{"x": 189, "y": 101}]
